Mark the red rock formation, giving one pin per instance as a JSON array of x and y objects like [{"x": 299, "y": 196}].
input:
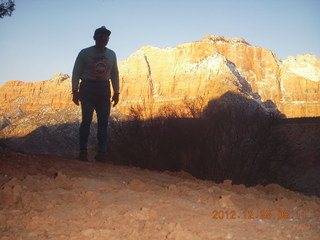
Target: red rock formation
[
  {"x": 207, "y": 68},
  {"x": 30, "y": 97},
  {"x": 215, "y": 65},
  {"x": 300, "y": 85}
]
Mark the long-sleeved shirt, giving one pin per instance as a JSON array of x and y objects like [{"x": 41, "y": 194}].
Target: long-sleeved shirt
[{"x": 91, "y": 64}]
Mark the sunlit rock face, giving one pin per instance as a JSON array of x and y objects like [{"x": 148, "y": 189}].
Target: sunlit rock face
[
  {"x": 26, "y": 106},
  {"x": 154, "y": 77},
  {"x": 215, "y": 65},
  {"x": 27, "y": 97},
  {"x": 300, "y": 85}
]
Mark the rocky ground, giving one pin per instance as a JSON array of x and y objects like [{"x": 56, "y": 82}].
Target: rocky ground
[{"x": 46, "y": 197}]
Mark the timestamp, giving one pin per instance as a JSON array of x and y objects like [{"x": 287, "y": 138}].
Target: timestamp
[{"x": 258, "y": 214}]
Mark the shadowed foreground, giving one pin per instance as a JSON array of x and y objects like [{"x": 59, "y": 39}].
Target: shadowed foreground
[
  {"x": 231, "y": 137},
  {"x": 44, "y": 197}
]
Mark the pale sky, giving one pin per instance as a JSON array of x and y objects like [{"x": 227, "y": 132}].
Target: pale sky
[{"x": 43, "y": 37}]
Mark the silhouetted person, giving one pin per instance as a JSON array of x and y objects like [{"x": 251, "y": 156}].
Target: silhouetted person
[{"x": 95, "y": 66}]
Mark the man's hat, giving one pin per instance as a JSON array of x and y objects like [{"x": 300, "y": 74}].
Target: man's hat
[{"x": 102, "y": 30}]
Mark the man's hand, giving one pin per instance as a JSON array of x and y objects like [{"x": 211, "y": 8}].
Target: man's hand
[
  {"x": 115, "y": 99},
  {"x": 75, "y": 97}
]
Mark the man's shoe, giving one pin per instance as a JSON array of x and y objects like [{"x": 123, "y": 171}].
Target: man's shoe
[
  {"x": 83, "y": 155},
  {"x": 101, "y": 157}
]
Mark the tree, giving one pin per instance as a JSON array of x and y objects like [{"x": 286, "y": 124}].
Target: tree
[{"x": 6, "y": 8}]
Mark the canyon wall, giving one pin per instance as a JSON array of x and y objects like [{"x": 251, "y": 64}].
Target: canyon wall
[
  {"x": 167, "y": 76},
  {"x": 215, "y": 65}
]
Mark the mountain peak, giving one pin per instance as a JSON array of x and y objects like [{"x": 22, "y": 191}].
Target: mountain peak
[
  {"x": 214, "y": 38},
  {"x": 60, "y": 77}
]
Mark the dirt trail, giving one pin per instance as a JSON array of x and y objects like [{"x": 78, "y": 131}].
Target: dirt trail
[{"x": 44, "y": 197}]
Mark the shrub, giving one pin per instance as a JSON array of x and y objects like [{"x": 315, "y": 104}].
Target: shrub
[{"x": 231, "y": 138}]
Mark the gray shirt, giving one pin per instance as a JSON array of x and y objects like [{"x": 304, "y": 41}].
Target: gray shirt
[{"x": 93, "y": 65}]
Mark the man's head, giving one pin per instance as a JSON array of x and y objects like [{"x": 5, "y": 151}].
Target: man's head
[
  {"x": 101, "y": 30},
  {"x": 101, "y": 36}
]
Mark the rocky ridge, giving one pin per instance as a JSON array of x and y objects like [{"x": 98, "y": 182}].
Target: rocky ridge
[
  {"x": 215, "y": 65},
  {"x": 160, "y": 76}
]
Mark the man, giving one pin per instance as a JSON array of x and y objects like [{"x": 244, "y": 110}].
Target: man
[{"x": 95, "y": 66}]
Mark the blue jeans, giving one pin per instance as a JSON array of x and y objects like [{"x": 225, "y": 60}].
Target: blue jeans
[{"x": 94, "y": 96}]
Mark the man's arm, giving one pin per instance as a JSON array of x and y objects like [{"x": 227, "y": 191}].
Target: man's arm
[
  {"x": 76, "y": 73},
  {"x": 115, "y": 83}
]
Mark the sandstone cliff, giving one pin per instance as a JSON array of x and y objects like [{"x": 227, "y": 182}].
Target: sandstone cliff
[
  {"x": 27, "y": 97},
  {"x": 215, "y": 65},
  {"x": 159, "y": 76},
  {"x": 26, "y": 106}
]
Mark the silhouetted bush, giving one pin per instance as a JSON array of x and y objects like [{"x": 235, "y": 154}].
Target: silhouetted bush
[
  {"x": 245, "y": 145},
  {"x": 231, "y": 139}
]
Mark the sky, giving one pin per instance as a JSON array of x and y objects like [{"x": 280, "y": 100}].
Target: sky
[{"x": 43, "y": 37}]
